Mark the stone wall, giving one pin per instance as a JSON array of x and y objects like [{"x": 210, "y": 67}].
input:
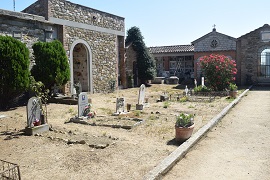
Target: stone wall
[
  {"x": 66, "y": 10},
  {"x": 99, "y": 29},
  {"x": 249, "y": 48},
  {"x": 24, "y": 27},
  {"x": 104, "y": 55}
]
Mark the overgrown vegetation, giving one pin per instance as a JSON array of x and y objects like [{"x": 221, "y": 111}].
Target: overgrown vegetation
[
  {"x": 14, "y": 70},
  {"x": 202, "y": 89}
]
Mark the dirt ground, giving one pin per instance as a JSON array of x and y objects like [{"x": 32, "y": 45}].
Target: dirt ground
[{"x": 78, "y": 151}]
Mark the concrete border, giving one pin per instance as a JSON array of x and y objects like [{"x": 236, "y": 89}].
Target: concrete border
[{"x": 165, "y": 165}]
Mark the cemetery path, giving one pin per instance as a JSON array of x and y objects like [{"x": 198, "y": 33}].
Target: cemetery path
[{"x": 237, "y": 148}]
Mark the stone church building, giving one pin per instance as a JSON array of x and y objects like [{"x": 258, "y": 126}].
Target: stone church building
[{"x": 93, "y": 40}]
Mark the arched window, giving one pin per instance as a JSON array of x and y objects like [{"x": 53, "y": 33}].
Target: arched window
[{"x": 265, "y": 63}]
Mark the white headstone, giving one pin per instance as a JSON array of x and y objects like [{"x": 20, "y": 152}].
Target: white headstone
[
  {"x": 33, "y": 111},
  {"x": 141, "y": 94},
  {"x": 195, "y": 82},
  {"x": 186, "y": 90},
  {"x": 120, "y": 105},
  {"x": 82, "y": 103},
  {"x": 202, "y": 81}
]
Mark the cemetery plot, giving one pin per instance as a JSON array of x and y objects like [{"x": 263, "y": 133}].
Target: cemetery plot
[{"x": 114, "y": 122}]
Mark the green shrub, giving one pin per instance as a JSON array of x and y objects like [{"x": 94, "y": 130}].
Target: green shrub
[
  {"x": 14, "y": 70},
  {"x": 51, "y": 64},
  {"x": 202, "y": 89}
]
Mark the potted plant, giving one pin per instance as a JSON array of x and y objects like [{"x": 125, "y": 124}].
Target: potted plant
[
  {"x": 233, "y": 90},
  {"x": 184, "y": 126}
]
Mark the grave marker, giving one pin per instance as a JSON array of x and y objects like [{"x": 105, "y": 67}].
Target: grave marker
[
  {"x": 34, "y": 125},
  {"x": 120, "y": 105},
  {"x": 141, "y": 94},
  {"x": 141, "y": 97},
  {"x": 33, "y": 111},
  {"x": 202, "y": 81},
  {"x": 82, "y": 103}
]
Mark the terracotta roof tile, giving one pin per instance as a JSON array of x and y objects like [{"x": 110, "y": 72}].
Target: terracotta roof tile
[{"x": 171, "y": 49}]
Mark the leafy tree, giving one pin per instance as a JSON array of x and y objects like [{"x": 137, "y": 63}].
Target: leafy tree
[
  {"x": 219, "y": 71},
  {"x": 14, "y": 69},
  {"x": 51, "y": 63},
  {"x": 145, "y": 62}
]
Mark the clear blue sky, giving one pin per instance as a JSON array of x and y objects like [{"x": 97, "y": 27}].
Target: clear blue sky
[{"x": 178, "y": 22}]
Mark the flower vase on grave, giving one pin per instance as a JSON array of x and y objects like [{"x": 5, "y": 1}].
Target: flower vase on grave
[{"x": 42, "y": 118}]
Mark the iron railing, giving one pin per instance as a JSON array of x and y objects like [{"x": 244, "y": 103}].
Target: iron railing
[
  {"x": 9, "y": 171},
  {"x": 264, "y": 71}
]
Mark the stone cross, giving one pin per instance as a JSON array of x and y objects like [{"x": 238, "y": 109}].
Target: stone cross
[
  {"x": 82, "y": 103},
  {"x": 33, "y": 111},
  {"x": 141, "y": 94},
  {"x": 120, "y": 105}
]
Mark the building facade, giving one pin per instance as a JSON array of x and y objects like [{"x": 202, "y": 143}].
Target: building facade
[
  {"x": 174, "y": 61},
  {"x": 212, "y": 43},
  {"x": 253, "y": 60},
  {"x": 93, "y": 40}
]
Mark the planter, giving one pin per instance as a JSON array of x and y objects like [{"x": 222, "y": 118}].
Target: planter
[
  {"x": 183, "y": 133},
  {"x": 233, "y": 94}
]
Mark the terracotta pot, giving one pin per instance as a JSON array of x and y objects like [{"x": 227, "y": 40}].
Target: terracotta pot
[
  {"x": 183, "y": 133},
  {"x": 233, "y": 94}
]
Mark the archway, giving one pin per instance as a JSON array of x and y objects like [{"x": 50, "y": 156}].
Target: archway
[{"x": 81, "y": 66}]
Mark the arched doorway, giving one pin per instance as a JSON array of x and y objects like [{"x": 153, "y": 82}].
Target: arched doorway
[{"x": 81, "y": 65}]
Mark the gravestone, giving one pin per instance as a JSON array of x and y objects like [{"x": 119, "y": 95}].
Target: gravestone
[
  {"x": 195, "y": 82},
  {"x": 186, "y": 91},
  {"x": 82, "y": 103},
  {"x": 141, "y": 97},
  {"x": 33, "y": 111},
  {"x": 120, "y": 105},
  {"x": 202, "y": 81},
  {"x": 34, "y": 125}
]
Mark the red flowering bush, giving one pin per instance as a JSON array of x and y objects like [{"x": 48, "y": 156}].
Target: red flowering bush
[{"x": 219, "y": 71}]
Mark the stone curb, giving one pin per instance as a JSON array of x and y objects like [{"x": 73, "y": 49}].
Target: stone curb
[{"x": 165, "y": 165}]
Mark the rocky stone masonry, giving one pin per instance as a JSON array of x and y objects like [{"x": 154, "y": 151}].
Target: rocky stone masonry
[
  {"x": 103, "y": 45},
  {"x": 249, "y": 48},
  {"x": 104, "y": 56},
  {"x": 78, "y": 13}
]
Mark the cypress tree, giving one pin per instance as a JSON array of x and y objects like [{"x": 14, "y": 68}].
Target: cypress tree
[{"x": 145, "y": 62}]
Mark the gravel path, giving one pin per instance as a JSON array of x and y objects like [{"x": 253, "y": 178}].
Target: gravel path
[{"x": 237, "y": 148}]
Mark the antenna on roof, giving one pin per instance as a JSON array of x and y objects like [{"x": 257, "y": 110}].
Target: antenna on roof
[{"x": 14, "y": 5}]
